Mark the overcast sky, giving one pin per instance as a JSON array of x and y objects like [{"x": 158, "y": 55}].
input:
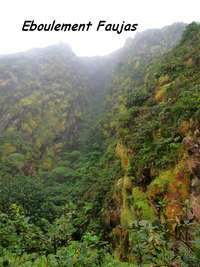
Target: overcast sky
[{"x": 148, "y": 14}]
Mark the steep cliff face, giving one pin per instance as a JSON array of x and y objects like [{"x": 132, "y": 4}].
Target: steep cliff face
[{"x": 157, "y": 123}]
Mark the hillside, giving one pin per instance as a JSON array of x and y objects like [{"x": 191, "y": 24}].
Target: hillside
[{"x": 100, "y": 157}]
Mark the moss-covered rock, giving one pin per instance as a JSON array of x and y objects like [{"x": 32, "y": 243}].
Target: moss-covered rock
[
  {"x": 127, "y": 216},
  {"x": 142, "y": 206}
]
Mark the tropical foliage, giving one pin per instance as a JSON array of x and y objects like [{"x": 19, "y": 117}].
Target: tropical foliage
[{"x": 100, "y": 157}]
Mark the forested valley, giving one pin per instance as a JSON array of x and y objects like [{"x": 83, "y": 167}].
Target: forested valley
[{"x": 100, "y": 156}]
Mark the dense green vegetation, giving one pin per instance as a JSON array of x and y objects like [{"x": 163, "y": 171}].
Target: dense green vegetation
[{"x": 100, "y": 157}]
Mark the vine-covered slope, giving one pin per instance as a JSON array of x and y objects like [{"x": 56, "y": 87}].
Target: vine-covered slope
[{"x": 156, "y": 125}]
